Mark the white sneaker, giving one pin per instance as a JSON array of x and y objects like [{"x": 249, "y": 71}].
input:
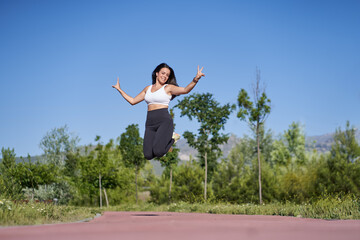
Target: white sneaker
[{"x": 176, "y": 137}]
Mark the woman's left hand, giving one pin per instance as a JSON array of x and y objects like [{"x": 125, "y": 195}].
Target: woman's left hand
[{"x": 199, "y": 74}]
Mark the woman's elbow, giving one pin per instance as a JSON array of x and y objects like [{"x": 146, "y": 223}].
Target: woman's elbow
[
  {"x": 132, "y": 103},
  {"x": 187, "y": 91}
]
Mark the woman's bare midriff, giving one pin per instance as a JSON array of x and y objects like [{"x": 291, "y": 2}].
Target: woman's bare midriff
[{"x": 153, "y": 107}]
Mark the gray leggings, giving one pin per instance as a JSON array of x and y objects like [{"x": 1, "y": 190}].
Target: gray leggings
[{"x": 159, "y": 128}]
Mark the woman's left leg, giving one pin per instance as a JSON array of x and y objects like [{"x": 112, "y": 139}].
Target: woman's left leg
[{"x": 163, "y": 138}]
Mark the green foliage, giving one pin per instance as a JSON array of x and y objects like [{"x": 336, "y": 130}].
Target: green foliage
[
  {"x": 294, "y": 182},
  {"x": 290, "y": 149},
  {"x": 147, "y": 176},
  {"x": 104, "y": 161},
  {"x": 288, "y": 158},
  {"x": 253, "y": 112},
  {"x": 212, "y": 118},
  {"x": 235, "y": 180},
  {"x": 31, "y": 175}
]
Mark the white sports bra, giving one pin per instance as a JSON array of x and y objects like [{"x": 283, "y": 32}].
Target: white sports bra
[{"x": 157, "y": 97}]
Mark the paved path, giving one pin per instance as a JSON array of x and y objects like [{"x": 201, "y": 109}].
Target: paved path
[{"x": 187, "y": 226}]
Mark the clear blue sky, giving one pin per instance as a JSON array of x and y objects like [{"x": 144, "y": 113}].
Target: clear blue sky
[{"x": 58, "y": 60}]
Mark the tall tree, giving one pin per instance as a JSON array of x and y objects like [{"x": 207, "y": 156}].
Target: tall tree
[
  {"x": 289, "y": 150},
  {"x": 255, "y": 113},
  {"x": 212, "y": 118},
  {"x": 131, "y": 147},
  {"x": 56, "y": 143}
]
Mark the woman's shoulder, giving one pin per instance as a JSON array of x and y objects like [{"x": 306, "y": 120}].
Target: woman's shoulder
[
  {"x": 169, "y": 86},
  {"x": 146, "y": 88}
]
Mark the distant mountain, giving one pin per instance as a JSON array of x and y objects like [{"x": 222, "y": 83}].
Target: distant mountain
[{"x": 322, "y": 143}]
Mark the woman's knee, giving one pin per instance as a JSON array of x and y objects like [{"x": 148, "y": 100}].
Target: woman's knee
[
  {"x": 159, "y": 151},
  {"x": 148, "y": 156},
  {"x": 148, "y": 153}
]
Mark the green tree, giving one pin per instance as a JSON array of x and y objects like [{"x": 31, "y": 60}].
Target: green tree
[
  {"x": 255, "y": 113},
  {"x": 235, "y": 179},
  {"x": 57, "y": 143},
  {"x": 131, "y": 147},
  {"x": 289, "y": 158},
  {"x": 343, "y": 175},
  {"x": 11, "y": 184},
  {"x": 169, "y": 161},
  {"x": 32, "y": 175},
  {"x": 229, "y": 181},
  {"x": 345, "y": 144},
  {"x": 188, "y": 184},
  {"x": 71, "y": 165},
  {"x": 212, "y": 118},
  {"x": 101, "y": 170}
]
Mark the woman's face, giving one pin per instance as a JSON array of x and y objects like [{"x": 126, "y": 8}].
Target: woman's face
[{"x": 163, "y": 75}]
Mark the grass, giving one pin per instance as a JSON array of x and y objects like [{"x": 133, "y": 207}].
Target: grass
[
  {"x": 33, "y": 213},
  {"x": 327, "y": 208},
  {"x": 40, "y": 213}
]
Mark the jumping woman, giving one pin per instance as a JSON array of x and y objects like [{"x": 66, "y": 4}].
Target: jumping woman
[{"x": 159, "y": 136}]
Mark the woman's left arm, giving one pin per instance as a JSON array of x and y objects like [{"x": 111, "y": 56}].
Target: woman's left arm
[{"x": 174, "y": 90}]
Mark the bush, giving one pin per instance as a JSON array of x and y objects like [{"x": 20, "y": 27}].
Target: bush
[
  {"x": 188, "y": 185},
  {"x": 61, "y": 191}
]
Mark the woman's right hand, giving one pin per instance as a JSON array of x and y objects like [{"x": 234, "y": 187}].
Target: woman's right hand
[{"x": 117, "y": 86}]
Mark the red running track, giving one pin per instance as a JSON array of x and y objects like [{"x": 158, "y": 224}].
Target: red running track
[{"x": 186, "y": 226}]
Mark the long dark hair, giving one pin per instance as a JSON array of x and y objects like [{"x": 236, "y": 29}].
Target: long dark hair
[{"x": 171, "y": 79}]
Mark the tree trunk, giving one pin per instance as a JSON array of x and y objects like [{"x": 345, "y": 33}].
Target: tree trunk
[
  {"x": 259, "y": 164},
  {"x": 106, "y": 198},
  {"x": 205, "y": 176},
  {"x": 170, "y": 184},
  {"x": 136, "y": 183},
  {"x": 100, "y": 190}
]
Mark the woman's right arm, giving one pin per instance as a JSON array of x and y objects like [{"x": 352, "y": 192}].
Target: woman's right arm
[{"x": 140, "y": 97}]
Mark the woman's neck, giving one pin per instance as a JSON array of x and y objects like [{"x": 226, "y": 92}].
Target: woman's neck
[{"x": 158, "y": 84}]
